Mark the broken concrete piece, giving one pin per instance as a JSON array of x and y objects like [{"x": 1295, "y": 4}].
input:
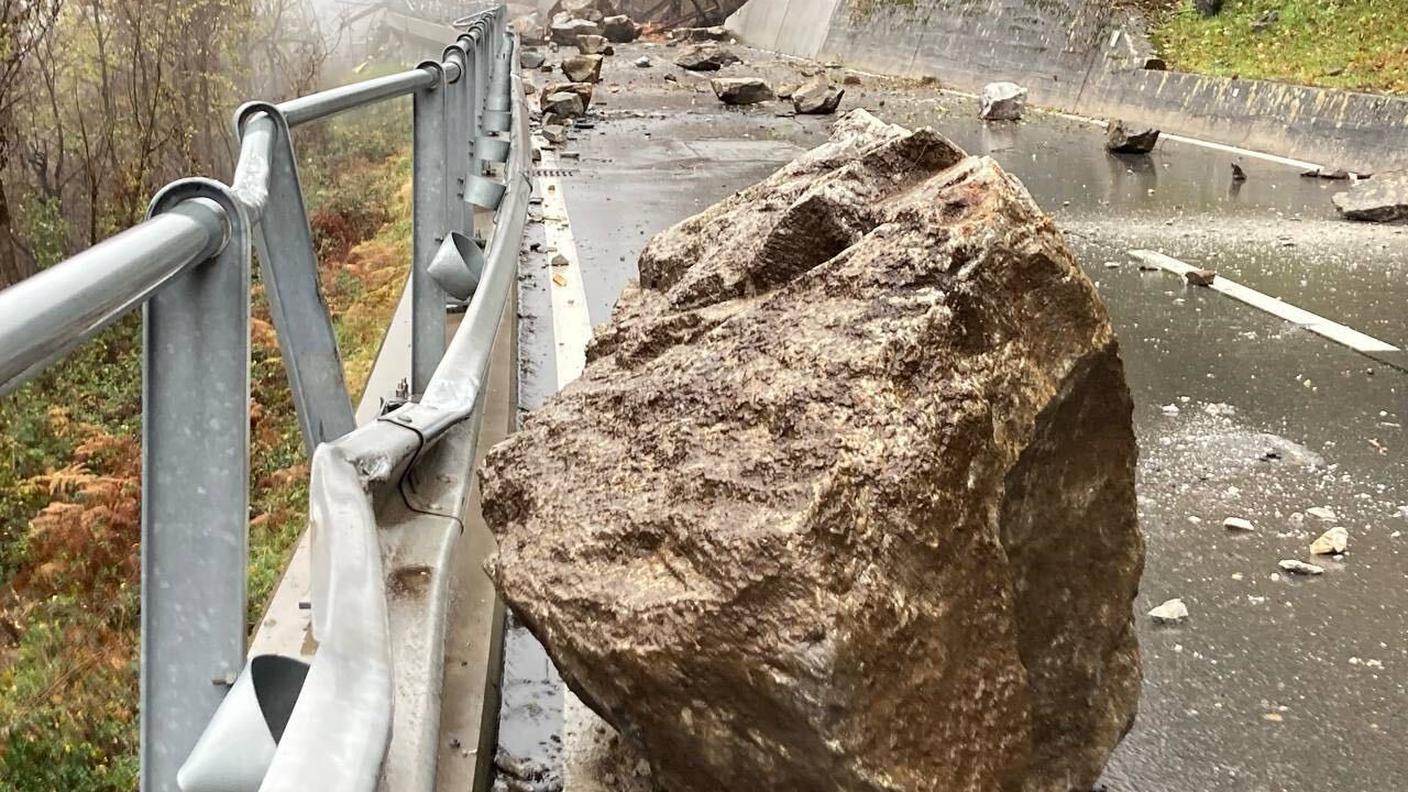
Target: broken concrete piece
[
  {"x": 591, "y": 45},
  {"x": 1333, "y": 541},
  {"x": 1123, "y": 139},
  {"x": 706, "y": 57},
  {"x": 583, "y": 68},
  {"x": 817, "y": 97},
  {"x": 1002, "y": 101},
  {"x": 832, "y": 463},
  {"x": 620, "y": 29},
  {"x": 741, "y": 90},
  {"x": 1383, "y": 199},
  {"x": 1171, "y": 612}
]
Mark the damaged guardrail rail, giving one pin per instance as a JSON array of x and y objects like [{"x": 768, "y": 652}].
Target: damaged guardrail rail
[{"x": 209, "y": 719}]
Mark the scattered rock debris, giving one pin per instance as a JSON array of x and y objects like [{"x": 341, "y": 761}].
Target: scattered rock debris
[
  {"x": 741, "y": 90},
  {"x": 1002, "y": 101},
  {"x": 1238, "y": 524},
  {"x": 1121, "y": 138},
  {"x": 706, "y": 57},
  {"x": 1332, "y": 542}
]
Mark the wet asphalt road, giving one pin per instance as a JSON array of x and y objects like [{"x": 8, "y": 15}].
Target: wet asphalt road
[{"x": 1274, "y": 683}]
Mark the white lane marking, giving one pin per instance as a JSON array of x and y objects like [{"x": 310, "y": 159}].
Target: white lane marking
[
  {"x": 571, "y": 323},
  {"x": 1334, "y": 331},
  {"x": 571, "y": 330}
]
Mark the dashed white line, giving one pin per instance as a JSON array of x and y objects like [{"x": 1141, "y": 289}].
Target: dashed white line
[{"x": 1334, "y": 331}]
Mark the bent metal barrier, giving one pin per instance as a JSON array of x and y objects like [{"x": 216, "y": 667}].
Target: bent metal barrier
[{"x": 392, "y": 489}]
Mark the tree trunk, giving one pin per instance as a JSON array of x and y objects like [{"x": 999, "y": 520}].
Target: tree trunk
[{"x": 15, "y": 266}]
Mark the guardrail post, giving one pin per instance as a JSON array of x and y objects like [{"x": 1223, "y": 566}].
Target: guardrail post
[
  {"x": 195, "y": 490},
  {"x": 456, "y": 133},
  {"x": 429, "y": 166},
  {"x": 289, "y": 266}
]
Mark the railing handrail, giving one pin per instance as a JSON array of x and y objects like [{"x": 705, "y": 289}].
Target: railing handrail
[{"x": 188, "y": 267}]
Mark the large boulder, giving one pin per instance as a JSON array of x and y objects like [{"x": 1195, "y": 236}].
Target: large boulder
[
  {"x": 706, "y": 57},
  {"x": 741, "y": 90},
  {"x": 816, "y": 96},
  {"x": 620, "y": 29},
  {"x": 844, "y": 498},
  {"x": 1383, "y": 199},
  {"x": 1123, "y": 139},
  {"x": 583, "y": 68},
  {"x": 566, "y": 30},
  {"x": 1002, "y": 101}
]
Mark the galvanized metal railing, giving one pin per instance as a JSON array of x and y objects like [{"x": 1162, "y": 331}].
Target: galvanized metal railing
[{"x": 330, "y": 725}]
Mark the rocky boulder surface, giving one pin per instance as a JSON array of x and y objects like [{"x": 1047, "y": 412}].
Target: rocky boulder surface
[
  {"x": 741, "y": 90},
  {"x": 562, "y": 104},
  {"x": 706, "y": 57},
  {"x": 1383, "y": 199},
  {"x": 844, "y": 498},
  {"x": 1002, "y": 101},
  {"x": 591, "y": 45},
  {"x": 1123, "y": 139},
  {"x": 530, "y": 29}
]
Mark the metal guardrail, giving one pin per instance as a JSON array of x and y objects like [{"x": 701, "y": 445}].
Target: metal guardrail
[{"x": 274, "y": 724}]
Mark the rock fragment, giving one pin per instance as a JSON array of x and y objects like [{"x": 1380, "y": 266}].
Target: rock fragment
[
  {"x": 1323, "y": 513},
  {"x": 823, "y": 458},
  {"x": 1121, "y": 138},
  {"x": 1383, "y": 199},
  {"x": 530, "y": 29},
  {"x": 1171, "y": 612},
  {"x": 591, "y": 45},
  {"x": 1200, "y": 277},
  {"x": 1296, "y": 567},
  {"x": 566, "y": 31},
  {"x": 583, "y": 68},
  {"x": 714, "y": 33},
  {"x": 817, "y": 96},
  {"x": 531, "y": 58},
  {"x": 564, "y": 104},
  {"x": 1332, "y": 542},
  {"x": 1238, "y": 175},
  {"x": 643, "y": 62},
  {"x": 555, "y": 134},
  {"x": 1208, "y": 7},
  {"x": 1002, "y": 101},
  {"x": 1238, "y": 524},
  {"x": 620, "y": 29},
  {"x": 706, "y": 57},
  {"x": 741, "y": 90}
]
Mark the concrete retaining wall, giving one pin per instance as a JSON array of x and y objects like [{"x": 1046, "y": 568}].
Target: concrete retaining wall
[{"x": 1078, "y": 57}]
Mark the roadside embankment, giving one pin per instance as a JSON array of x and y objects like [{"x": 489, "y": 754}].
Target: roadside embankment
[{"x": 1080, "y": 56}]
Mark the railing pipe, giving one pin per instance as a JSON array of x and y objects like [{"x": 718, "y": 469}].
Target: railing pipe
[
  {"x": 49, "y": 314},
  {"x": 336, "y": 100}
]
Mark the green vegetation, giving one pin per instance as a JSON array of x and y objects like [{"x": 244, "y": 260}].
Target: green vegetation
[
  {"x": 70, "y": 467},
  {"x": 1354, "y": 44}
]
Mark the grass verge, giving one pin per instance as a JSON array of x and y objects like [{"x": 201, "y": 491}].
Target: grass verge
[{"x": 1358, "y": 45}]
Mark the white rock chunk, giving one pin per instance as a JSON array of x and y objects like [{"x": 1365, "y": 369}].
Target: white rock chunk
[
  {"x": 1171, "y": 612},
  {"x": 1333, "y": 541},
  {"x": 1300, "y": 568}
]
